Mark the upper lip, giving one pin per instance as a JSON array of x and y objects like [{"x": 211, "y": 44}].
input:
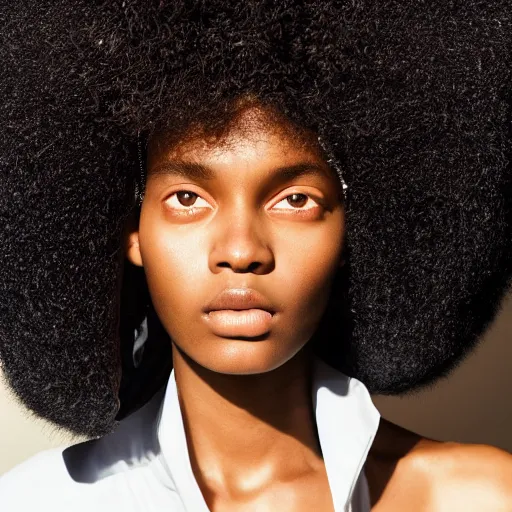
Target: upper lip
[{"x": 239, "y": 299}]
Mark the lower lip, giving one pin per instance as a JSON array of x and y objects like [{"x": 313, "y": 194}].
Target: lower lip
[{"x": 246, "y": 323}]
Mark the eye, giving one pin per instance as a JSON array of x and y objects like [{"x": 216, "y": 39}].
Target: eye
[
  {"x": 186, "y": 200},
  {"x": 296, "y": 201}
]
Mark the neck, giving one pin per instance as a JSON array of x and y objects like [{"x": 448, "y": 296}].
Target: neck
[{"x": 241, "y": 429}]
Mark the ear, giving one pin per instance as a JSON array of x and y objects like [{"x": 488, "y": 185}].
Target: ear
[{"x": 132, "y": 248}]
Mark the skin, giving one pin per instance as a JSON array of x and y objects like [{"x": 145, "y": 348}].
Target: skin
[
  {"x": 242, "y": 227},
  {"x": 406, "y": 471}
]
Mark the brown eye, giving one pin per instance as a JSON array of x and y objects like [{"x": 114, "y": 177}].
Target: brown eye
[
  {"x": 297, "y": 200},
  {"x": 186, "y": 202},
  {"x": 186, "y": 198}
]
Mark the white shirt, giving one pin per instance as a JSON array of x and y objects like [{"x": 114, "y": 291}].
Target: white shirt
[{"x": 144, "y": 465}]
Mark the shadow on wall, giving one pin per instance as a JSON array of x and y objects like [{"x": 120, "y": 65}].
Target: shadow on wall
[{"x": 473, "y": 405}]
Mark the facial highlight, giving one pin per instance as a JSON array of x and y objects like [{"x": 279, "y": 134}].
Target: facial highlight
[{"x": 240, "y": 240}]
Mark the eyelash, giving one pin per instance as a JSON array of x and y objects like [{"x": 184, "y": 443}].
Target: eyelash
[{"x": 189, "y": 209}]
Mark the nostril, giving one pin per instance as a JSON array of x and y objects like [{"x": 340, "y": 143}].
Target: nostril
[
  {"x": 249, "y": 268},
  {"x": 253, "y": 266}
]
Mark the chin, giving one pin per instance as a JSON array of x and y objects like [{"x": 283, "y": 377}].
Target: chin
[{"x": 243, "y": 356}]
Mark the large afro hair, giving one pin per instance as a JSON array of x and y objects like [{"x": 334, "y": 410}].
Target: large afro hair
[{"x": 410, "y": 99}]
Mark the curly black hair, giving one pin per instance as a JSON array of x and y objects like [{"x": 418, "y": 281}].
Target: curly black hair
[{"x": 410, "y": 99}]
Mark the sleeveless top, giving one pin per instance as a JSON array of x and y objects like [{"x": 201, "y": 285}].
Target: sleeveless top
[{"x": 144, "y": 466}]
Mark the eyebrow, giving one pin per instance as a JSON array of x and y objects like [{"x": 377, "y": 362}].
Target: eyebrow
[{"x": 197, "y": 171}]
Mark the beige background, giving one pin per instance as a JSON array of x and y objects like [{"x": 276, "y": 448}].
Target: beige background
[{"x": 472, "y": 405}]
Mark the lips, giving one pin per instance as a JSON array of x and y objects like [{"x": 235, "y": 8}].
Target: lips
[
  {"x": 238, "y": 299},
  {"x": 239, "y": 312}
]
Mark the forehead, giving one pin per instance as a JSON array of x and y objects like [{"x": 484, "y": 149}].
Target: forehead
[{"x": 254, "y": 135}]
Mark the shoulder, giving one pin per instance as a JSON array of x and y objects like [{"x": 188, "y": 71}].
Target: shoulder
[
  {"x": 446, "y": 476},
  {"x": 84, "y": 477},
  {"x": 409, "y": 472},
  {"x": 49, "y": 463},
  {"x": 36, "y": 479},
  {"x": 465, "y": 476},
  {"x": 106, "y": 471}
]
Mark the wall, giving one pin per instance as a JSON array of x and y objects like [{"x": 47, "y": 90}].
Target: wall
[{"x": 473, "y": 404}]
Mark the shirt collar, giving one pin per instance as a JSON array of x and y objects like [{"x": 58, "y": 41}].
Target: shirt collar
[{"x": 347, "y": 422}]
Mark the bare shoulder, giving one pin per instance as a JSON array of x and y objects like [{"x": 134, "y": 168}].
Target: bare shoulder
[
  {"x": 409, "y": 472},
  {"x": 465, "y": 476},
  {"x": 452, "y": 476}
]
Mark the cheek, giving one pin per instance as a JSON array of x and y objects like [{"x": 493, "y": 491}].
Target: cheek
[
  {"x": 174, "y": 264},
  {"x": 311, "y": 269}
]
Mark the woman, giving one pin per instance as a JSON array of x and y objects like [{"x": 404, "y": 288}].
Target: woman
[{"x": 262, "y": 116}]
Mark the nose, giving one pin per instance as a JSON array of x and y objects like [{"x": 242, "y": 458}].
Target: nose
[{"x": 240, "y": 244}]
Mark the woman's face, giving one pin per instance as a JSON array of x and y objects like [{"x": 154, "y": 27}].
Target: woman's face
[{"x": 239, "y": 241}]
